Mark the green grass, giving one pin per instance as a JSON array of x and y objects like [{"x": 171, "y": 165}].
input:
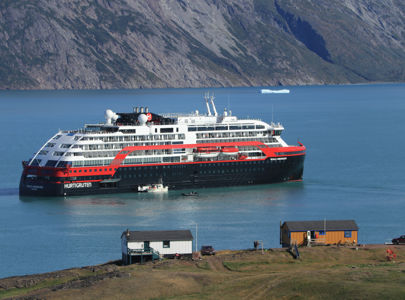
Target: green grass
[{"x": 23, "y": 291}]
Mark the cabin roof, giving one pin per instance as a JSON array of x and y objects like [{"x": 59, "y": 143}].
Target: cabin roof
[
  {"x": 157, "y": 235},
  {"x": 331, "y": 225}
]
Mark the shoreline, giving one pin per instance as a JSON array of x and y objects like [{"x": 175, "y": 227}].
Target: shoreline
[
  {"x": 211, "y": 87},
  {"x": 209, "y": 274}
]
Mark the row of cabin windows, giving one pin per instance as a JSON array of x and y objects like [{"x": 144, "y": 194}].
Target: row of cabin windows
[
  {"x": 123, "y": 145},
  {"x": 92, "y": 170},
  {"x": 233, "y": 170},
  {"x": 222, "y": 171},
  {"x": 257, "y": 139},
  {"x": 79, "y": 178},
  {"x": 150, "y": 137},
  {"x": 206, "y": 165},
  {"x": 95, "y": 154},
  {"x": 134, "y": 153},
  {"x": 231, "y": 134},
  {"x": 225, "y": 127},
  {"x": 124, "y": 138}
]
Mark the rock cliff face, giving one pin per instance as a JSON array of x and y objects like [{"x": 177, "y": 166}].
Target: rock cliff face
[{"x": 105, "y": 44}]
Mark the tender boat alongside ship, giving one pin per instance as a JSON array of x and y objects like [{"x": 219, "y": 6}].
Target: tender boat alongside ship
[{"x": 133, "y": 152}]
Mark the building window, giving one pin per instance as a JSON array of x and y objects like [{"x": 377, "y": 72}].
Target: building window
[
  {"x": 348, "y": 234},
  {"x": 166, "y": 244},
  {"x": 321, "y": 232}
]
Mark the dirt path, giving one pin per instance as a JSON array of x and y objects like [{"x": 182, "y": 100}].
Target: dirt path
[{"x": 216, "y": 263}]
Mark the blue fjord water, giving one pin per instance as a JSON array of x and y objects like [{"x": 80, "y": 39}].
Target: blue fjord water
[{"x": 354, "y": 169}]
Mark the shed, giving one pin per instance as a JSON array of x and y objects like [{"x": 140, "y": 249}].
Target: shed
[
  {"x": 138, "y": 246},
  {"x": 318, "y": 232}
]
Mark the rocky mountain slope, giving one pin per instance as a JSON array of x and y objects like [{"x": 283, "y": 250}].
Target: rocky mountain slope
[{"x": 104, "y": 44}]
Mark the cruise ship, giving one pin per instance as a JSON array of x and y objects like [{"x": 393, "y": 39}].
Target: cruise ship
[{"x": 130, "y": 152}]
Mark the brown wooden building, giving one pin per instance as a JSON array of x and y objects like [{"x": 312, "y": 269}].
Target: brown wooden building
[{"x": 318, "y": 232}]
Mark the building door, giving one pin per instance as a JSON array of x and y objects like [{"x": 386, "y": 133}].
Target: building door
[{"x": 146, "y": 246}]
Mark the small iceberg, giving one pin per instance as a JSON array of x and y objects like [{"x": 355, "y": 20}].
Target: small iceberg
[{"x": 267, "y": 91}]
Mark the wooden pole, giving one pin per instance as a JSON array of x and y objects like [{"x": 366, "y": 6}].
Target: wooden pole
[{"x": 196, "y": 237}]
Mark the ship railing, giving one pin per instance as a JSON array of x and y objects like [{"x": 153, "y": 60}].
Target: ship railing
[
  {"x": 176, "y": 115},
  {"x": 276, "y": 125},
  {"x": 84, "y": 131},
  {"x": 248, "y": 118}
]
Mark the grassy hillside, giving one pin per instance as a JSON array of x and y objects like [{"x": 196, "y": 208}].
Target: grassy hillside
[{"x": 321, "y": 273}]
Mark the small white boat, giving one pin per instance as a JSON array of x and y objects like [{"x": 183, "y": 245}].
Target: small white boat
[
  {"x": 154, "y": 188},
  {"x": 268, "y": 91},
  {"x": 191, "y": 194}
]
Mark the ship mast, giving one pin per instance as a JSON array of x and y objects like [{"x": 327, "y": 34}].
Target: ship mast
[
  {"x": 206, "y": 97},
  {"x": 213, "y": 105}
]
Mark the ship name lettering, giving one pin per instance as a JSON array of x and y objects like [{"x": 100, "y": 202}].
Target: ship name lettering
[{"x": 77, "y": 185}]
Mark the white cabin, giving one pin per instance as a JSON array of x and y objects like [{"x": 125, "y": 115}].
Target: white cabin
[{"x": 138, "y": 246}]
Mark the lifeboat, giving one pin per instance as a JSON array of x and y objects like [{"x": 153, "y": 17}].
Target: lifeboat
[
  {"x": 207, "y": 152},
  {"x": 242, "y": 156},
  {"x": 230, "y": 150}
]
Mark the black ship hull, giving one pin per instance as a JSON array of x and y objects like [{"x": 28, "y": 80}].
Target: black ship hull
[{"x": 175, "y": 176}]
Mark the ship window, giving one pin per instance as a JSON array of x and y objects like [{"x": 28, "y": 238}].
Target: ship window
[
  {"x": 128, "y": 130},
  {"x": 202, "y": 129},
  {"x": 63, "y": 164},
  {"x": 192, "y": 129},
  {"x": 221, "y": 128},
  {"x": 259, "y": 127},
  {"x": 165, "y": 130},
  {"x": 50, "y": 145},
  {"x": 51, "y": 163},
  {"x": 36, "y": 162}
]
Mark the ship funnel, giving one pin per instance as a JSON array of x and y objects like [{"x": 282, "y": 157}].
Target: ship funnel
[
  {"x": 141, "y": 109},
  {"x": 136, "y": 109},
  {"x": 146, "y": 109}
]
